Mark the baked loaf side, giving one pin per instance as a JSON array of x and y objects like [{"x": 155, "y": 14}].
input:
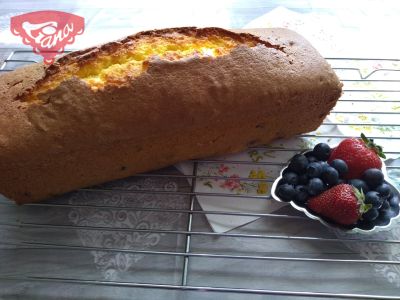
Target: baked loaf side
[{"x": 153, "y": 99}]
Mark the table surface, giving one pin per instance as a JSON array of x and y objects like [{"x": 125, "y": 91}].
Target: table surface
[{"x": 32, "y": 235}]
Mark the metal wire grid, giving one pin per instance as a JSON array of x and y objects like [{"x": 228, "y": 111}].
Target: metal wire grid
[{"x": 187, "y": 254}]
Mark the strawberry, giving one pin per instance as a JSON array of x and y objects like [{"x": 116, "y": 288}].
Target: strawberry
[
  {"x": 359, "y": 155},
  {"x": 342, "y": 203}
]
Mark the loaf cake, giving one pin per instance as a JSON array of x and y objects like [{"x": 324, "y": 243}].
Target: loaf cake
[{"x": 153, "y": 99}]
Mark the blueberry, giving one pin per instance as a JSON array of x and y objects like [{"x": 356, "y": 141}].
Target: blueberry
[
  {"x": 286, "y": 192},
  {"x": 395, "y": 210},
  {"x": 371, "y": 214},
  {"x": 365, "y": 225},
  {"x": 314, "y": 170},
  {"x": 383, "y": 190},
  {"x": 373, "y": 177},
  {"x": 385, "y": 205},
  {"x": 341, "y": 181},
  {"x": 340, "y": 166},
  {"x": 324, "y": 165},
  {"x": 291, "y": 178},
  {"x": 315, "y": 186},
  {"x": 384, "y": 217},
  {"x": 359, "y": 184},
  {"x": 301, "y": 194},
  {"x": 322, "y": 151},
  {"x": 303, "y": 179},
  {"x": 394, "y": 201},
  {"x": 373, "y": 198},
  {"x": 311, "y": 158},
  {"x": 330, "y": 176},
  {"x": 298, "y": 164}
]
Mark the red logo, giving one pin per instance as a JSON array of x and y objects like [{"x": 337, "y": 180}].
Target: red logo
[{"x": 47, "y": 31}]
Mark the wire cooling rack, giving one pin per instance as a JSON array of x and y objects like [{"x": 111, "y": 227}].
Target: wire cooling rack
[{"x": 45, "y": 246}]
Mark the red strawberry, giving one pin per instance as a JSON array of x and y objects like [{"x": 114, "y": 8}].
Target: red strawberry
[
  {"x": 359, "y": 155},
  {"x": 342, "y": 203}
]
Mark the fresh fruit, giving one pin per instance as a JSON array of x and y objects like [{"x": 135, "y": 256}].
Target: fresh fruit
[
  {"x": 344, "y": 185},
  {"x": 384, "y": 217},
  {"x": 315, "y": 186},
  {"x": 322, "y": 151},
  {"x": 314, "y": 170},
  {"x": 340, "y": 166},
  {"x": 311, "y": 158},
  {"x": 286, "y": 192},
  {"x": 384, "y": 190},
  {"x": 359, "y": 184},
  {"x": 373, "y": 198},
  {"x": 394, "y": 201},
  {"x": 301, "y": 194},
  {"x": 291, "y": 178},
  {"x": 303, "y": 179},
  {"x": 395, "y": 210},
  {"x": 373, "y": 177},
  {"x": 298, "y": 163},
  {"x": 371, "y": 214},
  {"x": 385, "y": 205},
  {"x": 324, "y": 165},
  {"x": 359, "y": 155},
  {"x": 365, "y": 225},
  {"x": 330, "y": 176},
  {"x": 342, "y": 203}
]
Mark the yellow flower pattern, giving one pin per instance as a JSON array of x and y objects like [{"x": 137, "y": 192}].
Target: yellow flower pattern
[
  {"x": 229, "y": 180},
  {"x": 262, "y": 187}
]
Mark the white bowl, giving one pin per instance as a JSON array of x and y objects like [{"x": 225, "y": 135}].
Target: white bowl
[{"x": 332, "y": 225}]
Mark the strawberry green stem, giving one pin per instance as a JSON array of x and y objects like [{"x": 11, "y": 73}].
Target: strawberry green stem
[
  {"x": 370, "y": 144},
  {"x": 363, "y": 207}
]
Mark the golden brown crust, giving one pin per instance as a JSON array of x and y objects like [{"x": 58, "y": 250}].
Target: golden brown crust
[
  {"x": 108, "y": 48},
  {"x": 174, "y": 111},
  {"x": 86, "y": 56}
]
